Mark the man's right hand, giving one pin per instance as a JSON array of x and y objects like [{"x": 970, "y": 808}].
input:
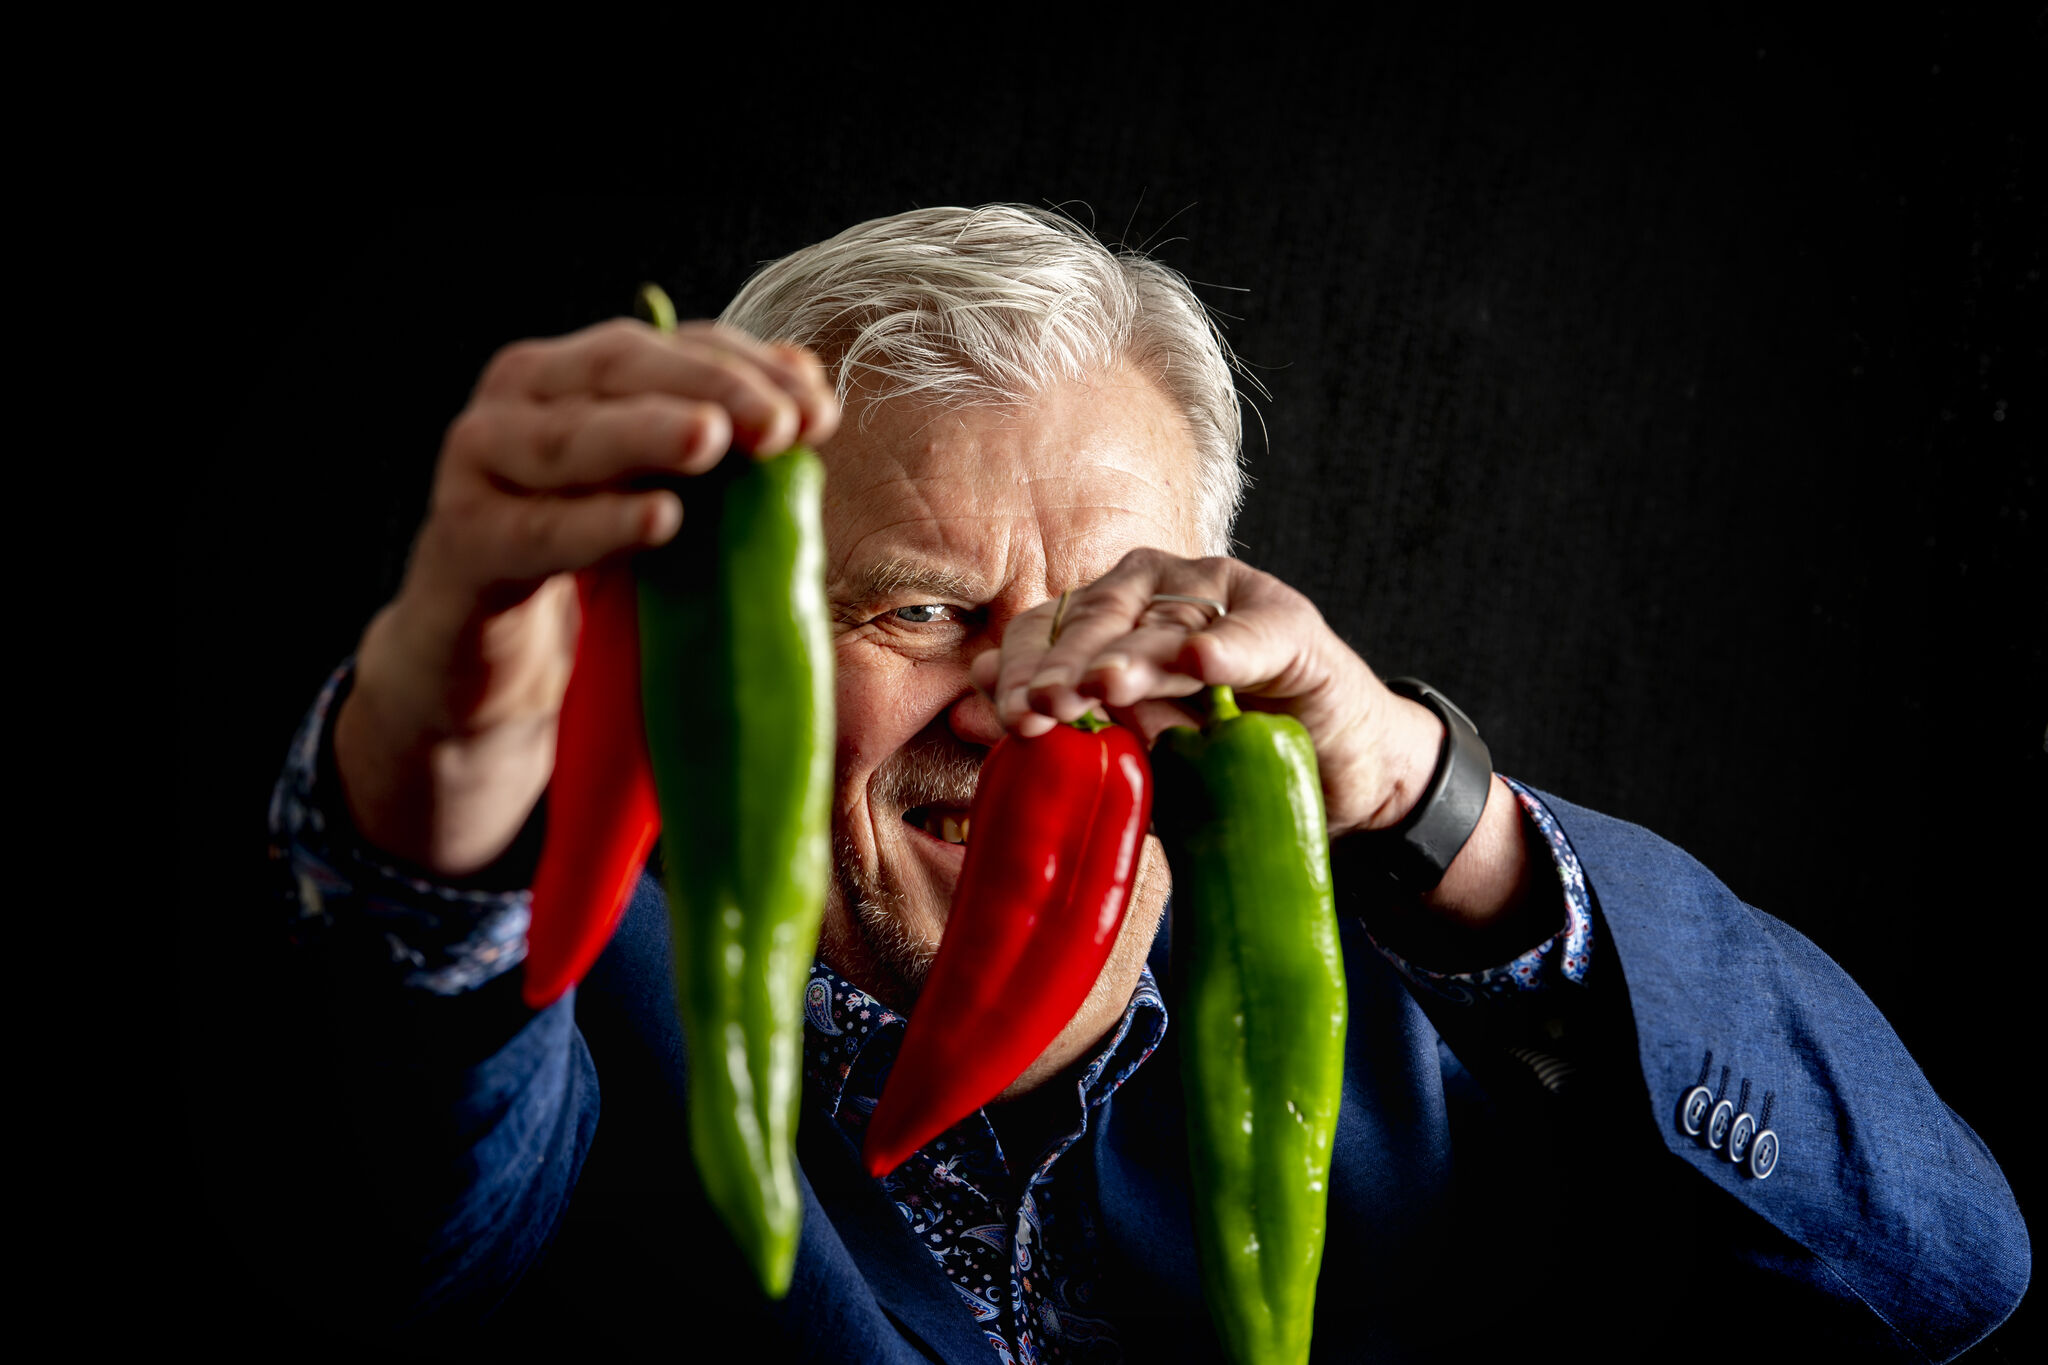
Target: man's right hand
[{"x": 448, "y": 738}]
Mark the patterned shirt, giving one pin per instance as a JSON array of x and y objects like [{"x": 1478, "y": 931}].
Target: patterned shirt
[
  {"x": 1014, "y": 1235},
  {"x": 1013, "y": 1232}
]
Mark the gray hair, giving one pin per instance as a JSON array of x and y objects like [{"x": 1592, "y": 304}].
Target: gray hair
[{"x": 966, "y": 307}]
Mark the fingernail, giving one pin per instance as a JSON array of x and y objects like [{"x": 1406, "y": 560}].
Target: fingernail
[
  {"x": 664, "y": 518},
  {"x": 1052, "y": 677},
  {"x": 1110, "y": 663},
  {"x": 1017, "y": 700},
  {"x": 779, "y": 435}
]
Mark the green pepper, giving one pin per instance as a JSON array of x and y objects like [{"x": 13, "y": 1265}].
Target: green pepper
[
  {"x": 1259, "y": 980},
  {"x": 737, "y": 694}
]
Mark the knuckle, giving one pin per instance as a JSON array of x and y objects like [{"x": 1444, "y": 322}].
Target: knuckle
[
  {"x": 802, "y": 365},
  {"x": 473, "y": 432},
  {"x": 534, "y": 524},
  {"x": 611, "y": 351},
  {"x": 460, "y": 512},
  {"x": 555, "y": 435},
  {"x": 512, "y": 366},
  {"x": 741, "y": 388},
  {"x": 1097, "y": 602},
  {"x": 654, "y": 427},
  {"x": 1144, "y": 559}
]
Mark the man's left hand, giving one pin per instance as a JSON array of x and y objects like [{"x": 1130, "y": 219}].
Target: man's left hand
[{"x": 1119, "y": 647}]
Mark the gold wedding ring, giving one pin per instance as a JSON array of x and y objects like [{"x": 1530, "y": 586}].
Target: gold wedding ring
[{"x": 1059, "y": 614}]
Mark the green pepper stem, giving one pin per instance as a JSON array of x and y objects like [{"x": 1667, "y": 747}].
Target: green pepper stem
[
  {"x": 1222, "y": 705},
  {"x": 655, "y": 306}
]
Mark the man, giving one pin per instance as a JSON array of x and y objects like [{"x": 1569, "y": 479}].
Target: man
[{"x": 1016, "y": 422}]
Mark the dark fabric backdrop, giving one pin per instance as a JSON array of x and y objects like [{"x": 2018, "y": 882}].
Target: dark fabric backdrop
[{"x": 1675, "y": 404}]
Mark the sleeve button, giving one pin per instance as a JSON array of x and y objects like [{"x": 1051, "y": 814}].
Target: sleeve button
[
  {"x": 1763, "y": 1154},
  {"x": 1740, "y": 1134},
  {"x": 1718, "y": 1124},
  {"x": 1692, "y": 1110}
]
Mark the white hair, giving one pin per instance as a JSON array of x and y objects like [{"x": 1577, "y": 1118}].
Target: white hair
[{"x": 968, "y": 307}]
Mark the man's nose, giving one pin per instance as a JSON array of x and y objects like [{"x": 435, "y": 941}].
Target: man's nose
[{"x": 973, "y": 718}]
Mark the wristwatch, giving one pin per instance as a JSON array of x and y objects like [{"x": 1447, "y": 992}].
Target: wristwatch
[{"x": 1415, "y": 854}]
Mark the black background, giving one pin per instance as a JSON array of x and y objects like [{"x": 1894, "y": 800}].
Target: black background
[{"x": 1672, "y": 400}]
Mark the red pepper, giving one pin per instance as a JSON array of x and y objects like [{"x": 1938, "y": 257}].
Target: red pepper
[
  {"x": 602, "y": 817},
  {"x": 1057, "y": 831}
]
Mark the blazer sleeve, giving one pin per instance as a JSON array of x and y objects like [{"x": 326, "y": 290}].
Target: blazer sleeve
[
  {"x": 434, "y": 1125},
  {"x": 1893, "y": 1197}
]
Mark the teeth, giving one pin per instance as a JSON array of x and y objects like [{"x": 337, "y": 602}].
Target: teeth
[
  {"x": 951, "y": 828},
  {"x": 938, "y": 824}
]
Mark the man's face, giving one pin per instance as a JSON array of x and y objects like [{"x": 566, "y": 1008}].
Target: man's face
[{"x": 941, "y": 527}]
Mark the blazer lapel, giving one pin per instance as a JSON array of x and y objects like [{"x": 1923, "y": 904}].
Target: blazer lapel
[{"x": 906, "y": 1281}]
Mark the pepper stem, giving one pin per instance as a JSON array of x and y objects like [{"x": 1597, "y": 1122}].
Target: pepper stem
[
  {"x": 653, "y": 306},
  {"x": 1090, "y": 723},
  {"x": 1222, "y": 705}
]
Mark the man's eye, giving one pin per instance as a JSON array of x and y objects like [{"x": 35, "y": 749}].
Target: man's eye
[{"x": 922, "y": 614}]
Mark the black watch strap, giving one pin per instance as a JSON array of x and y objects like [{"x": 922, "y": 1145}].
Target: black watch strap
[{"x": 1416, "y": 853}]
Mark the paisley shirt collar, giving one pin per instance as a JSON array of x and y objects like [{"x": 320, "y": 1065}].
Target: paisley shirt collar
[
  {"x": 851, "y": 1040},
  {"x": 1017, "y": 1243}
]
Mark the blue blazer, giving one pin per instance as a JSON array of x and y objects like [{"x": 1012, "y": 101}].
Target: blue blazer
[{"x": 1478, "y": 1207}]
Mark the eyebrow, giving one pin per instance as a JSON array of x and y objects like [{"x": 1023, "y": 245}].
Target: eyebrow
[{"x": 892, "y": 577}]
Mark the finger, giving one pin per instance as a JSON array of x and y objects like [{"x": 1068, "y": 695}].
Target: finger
[
  {"x": 1025, "y": 641},
  {"x": 620, "y": 359},
  {"x": 1031, "y": 725},
  {"x": 575, "y": 444},
  {"x": 1152, "y": 718},
  {"x": 1117, "y": 643},
  {"x": 502, "y": 538},
  {"x": 814, "y": 392},
  {"x": 1038, "y": 671},
  {"x": 982, "y": 672},
  {"x": 799, "y": 373},
  {"x": 1144, "y": 664},
  {"x": 1258, "y": 654}
]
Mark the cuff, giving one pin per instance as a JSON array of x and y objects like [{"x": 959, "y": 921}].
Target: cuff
[
  {"x": 442, "y": 939},
  {"x": 1562, "y": 958}
]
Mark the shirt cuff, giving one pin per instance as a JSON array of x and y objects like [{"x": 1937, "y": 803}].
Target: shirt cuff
[
  {"x": 1562, "y": 958},
  {"x": 441, "y": 939}
]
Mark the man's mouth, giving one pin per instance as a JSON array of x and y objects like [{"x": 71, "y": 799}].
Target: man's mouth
[{"x": 946, "y": 823}]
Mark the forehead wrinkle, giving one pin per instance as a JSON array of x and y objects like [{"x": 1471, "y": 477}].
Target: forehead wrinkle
[
  {"x": 1148, "y": 466},
  {"x": 924, "y": 544},
  {"x": 1052, "y": 494}
]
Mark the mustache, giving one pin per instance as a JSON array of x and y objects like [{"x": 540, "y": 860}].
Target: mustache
[{"x": 935, "y": 770}]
